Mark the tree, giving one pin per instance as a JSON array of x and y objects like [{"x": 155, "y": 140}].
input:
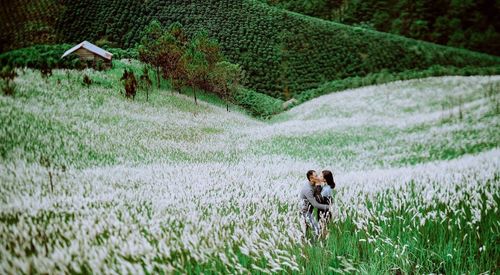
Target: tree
[
  {"x": 206, "y": 54},
  {"x": 208, "y": 46},
  {"x": 226, "y": 78},
  {"x": 150, "y": 45},
  {"x": 130, "y": 83},
  {"x": 169, "y": 56},
  {"x": 146, "y": 81},
  {"x": 196, "y": 68}
]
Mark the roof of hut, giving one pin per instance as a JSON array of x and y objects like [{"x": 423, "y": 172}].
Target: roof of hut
[{"x": 90, "y": 47}]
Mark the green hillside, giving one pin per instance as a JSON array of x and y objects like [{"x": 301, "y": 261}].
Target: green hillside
[
  {"x": 283, "y": 53},
  {"x": 473, "y": 25}
]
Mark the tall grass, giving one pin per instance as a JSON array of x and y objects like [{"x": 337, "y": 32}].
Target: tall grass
[{"x": 92, "y": 182}]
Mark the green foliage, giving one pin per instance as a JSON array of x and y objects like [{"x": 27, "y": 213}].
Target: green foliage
[{"x": 283, "y": 53}]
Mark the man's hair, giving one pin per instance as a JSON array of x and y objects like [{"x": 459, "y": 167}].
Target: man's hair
[{"x": 309, "y": 174}]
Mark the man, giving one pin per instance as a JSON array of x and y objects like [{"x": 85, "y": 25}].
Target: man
[{"x": 309, "y": 202}]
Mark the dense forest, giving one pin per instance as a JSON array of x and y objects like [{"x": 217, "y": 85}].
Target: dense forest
[
  {"x": 469, "y": 24},
  {"x": 283, "y": 53}
]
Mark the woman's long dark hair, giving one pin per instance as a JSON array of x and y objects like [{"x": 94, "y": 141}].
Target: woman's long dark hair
[{"x": 327, "y": 175}]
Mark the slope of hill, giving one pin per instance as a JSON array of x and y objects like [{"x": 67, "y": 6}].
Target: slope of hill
[
  {"x": 25, "y": 23},
  {"x": 472, "y": 25},
  {"x": 167, "y": 186},
  {"x": 283, "y": 53}
]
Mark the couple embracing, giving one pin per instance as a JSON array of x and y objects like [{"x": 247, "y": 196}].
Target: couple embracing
[{"x": 317, "y": 193}]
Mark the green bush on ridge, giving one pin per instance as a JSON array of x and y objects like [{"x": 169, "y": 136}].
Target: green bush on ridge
[{"x": 257, "y": 104}]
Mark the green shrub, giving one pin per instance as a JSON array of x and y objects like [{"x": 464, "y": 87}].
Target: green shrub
[{"x": 257, "y": 104}]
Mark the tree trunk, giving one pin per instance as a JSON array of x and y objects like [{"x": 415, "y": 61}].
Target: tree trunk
[
  {"x": 172, "y": 88},
  {"x": 51, "y": 183},
  {"x": 158, "y": 76},
  {"x": 227, "y": 97}
]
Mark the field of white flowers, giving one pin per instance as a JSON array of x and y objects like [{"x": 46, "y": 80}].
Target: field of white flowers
[{"x": 94, "y": 183}]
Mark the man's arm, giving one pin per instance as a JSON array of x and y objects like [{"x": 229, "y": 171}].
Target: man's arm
[{"x": 310, "y": 197}]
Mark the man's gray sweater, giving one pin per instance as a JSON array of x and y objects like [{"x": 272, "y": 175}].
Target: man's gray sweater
[{"x": 307, "y": 196}]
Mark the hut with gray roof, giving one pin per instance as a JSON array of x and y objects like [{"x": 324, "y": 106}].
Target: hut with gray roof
[{"x": 91, "y": 55}]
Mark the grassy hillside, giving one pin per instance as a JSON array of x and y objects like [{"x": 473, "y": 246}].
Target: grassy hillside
[
  {"x": 283, "y": 53},
  {"x": 167, "y": 186}
]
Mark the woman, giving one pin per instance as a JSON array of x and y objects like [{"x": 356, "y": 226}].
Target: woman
[{"x": 324, "y": 194}]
